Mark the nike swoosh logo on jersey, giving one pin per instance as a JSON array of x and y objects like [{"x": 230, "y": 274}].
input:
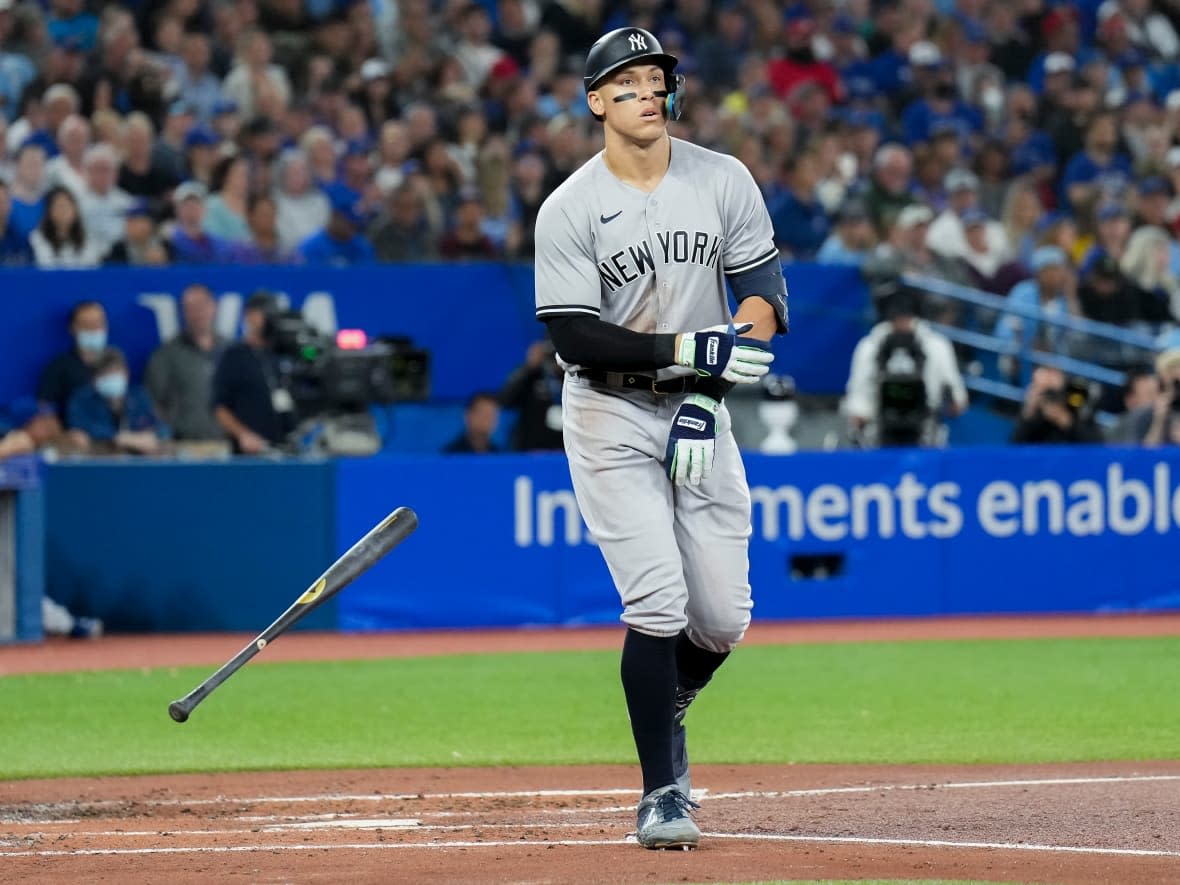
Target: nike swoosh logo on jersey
[{"x": 607, "y": 218}]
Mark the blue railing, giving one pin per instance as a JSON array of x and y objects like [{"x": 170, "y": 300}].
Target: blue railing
[{"x": 1131, "y": 345}]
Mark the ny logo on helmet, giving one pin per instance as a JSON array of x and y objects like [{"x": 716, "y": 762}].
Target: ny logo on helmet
[{"x": 637, "y": 42}]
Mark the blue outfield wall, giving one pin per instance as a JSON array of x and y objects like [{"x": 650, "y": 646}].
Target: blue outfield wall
[
  {"x": 174, "y": 546},
  {"x": 898, "y": 533},
  {"x": 476, "y": 319}
]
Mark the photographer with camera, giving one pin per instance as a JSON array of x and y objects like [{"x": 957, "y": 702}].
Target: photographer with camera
[
  {"x": 248, "y": 401},
  {"x": 1162, "y": 419},
  {"x": 534, "y": 391},
  {"x": 902, "y": 373},
  {"x": 1056, "y": 411}
]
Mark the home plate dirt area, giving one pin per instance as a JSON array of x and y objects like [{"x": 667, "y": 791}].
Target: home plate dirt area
[{"x": 1110, "y": 823}]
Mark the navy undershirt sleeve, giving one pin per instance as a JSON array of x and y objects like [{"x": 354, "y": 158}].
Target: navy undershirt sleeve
[{"x": 596, "y": 344}]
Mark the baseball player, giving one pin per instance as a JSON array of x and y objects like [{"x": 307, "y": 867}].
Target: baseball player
[{"x": 633, "y": 254}]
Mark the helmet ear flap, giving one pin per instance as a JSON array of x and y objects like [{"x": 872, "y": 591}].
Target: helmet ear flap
[{"x": 674, "y": 101}]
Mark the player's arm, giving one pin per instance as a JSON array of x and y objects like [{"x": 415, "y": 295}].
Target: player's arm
[
  {"x": 569, "y": 300},
  {"x": 757, "y": 310},
  {"x": 597, "y": 344},
  {"x": 569, "y": 297}
]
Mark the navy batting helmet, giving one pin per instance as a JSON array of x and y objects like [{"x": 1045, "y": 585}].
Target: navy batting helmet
[{"x": 626, "y": 46}]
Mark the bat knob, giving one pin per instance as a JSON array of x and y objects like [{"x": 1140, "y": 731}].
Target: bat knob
[{"x": 177, "y": 712}]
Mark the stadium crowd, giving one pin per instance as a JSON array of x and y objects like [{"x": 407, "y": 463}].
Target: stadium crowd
[
  {"x": 1024, "y": 148},
  {"x": 329, "y": 130}
]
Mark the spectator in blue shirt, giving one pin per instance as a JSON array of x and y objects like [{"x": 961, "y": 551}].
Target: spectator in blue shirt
[
  {"x": 1051, "y": 290},
  {"x": 939, "y": 108},
  {"x": 720, "y": 52},
  {"x": 190, "y": 242},
  {"x": 16, "y": 72},
  {"x": 340, "y": 242},
  {"x": 852, "y": 240},
  {"x": 1060, "y": 31},
  {"x": 891, "y": 70},
  {"x": 1112, "y": 230},
  {"x": 1099, "y": 168},
  {"x": 115, "y": 417},
  {"x": 201, "y": 153},
  {"x": 14, "y": 248},
  {"x": 28, "y": 189},
  {"x": 69, "y": 22},
  {"x": 198, "y": 87},
  {"x": 1030, "y": 151},
  {"x": 800, "y": 223}
]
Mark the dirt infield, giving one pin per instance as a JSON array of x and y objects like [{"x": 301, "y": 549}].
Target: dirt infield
[{"x": 1073, "y": 824}]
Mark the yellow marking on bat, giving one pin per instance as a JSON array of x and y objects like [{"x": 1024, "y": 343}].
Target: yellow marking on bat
[
  {"x": 261, "y": 643},
  {"x": 388, "y": 521},
  {"x": 312, "y": 593}
]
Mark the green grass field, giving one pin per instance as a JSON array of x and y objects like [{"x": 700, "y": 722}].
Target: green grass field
[{"x": 913, "y": 702}]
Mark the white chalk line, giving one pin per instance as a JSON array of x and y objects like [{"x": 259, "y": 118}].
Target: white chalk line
[
  {"x": 275, "y": 819},
  {"x": 946, "y": 843},
  {"x": 373, "y": 846},
  {"x": 358, "y": 846},
  {"x": 35, "y": 821},
  {"x": 951, "y": 785},
  {"x": 375, "y": 797},
  {"x": 372, "y": 824},
  {"x": 286, "y": 818}
]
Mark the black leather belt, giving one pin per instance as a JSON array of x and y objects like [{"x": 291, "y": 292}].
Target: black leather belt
[{"x": 636, "y": 381}]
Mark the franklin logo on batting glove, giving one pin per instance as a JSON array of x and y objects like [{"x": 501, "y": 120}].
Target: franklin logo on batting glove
[
  {"x": 722, "y": 352},
  {"x": 688, "y": 459}
]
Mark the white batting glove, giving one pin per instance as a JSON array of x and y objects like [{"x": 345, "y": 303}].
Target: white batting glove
[
  {"x": 688, "y": 459},
  {"x": 721, "y": 352}
]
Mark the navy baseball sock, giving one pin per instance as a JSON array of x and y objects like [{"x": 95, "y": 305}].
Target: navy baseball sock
[
  {"x": 695, "y": 666},
  {"x": 649, "y": 683}
]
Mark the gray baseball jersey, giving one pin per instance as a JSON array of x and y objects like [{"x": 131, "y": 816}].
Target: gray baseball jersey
[
  {"x": 656, "y": 262},
  {"x": 651, "y": 262}
]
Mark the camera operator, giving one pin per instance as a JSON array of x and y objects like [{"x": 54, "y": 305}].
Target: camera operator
[
  {"x": 1164, "y": 426},
  {"x": 534, "y": 390},
  {"x": 248, "y": 402},
  {"x": 1055, "y": 411},
  {"x": 902, "y": 372}
]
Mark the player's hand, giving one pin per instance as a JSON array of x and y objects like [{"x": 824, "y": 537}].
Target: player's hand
[
  {"x": 688, "y": 459},
  {"x": 722, "y": 352}
]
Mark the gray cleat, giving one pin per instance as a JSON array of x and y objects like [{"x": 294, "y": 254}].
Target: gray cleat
[{"x": 665, "y": 820}]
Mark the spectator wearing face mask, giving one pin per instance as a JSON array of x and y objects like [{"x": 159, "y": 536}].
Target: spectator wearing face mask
[
  {"x": 110, "y": 416},
  {"x": 73, "y": 369}
]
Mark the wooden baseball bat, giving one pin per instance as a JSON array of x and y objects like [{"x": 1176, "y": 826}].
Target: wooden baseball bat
[{"x": 380, "y": 539}]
